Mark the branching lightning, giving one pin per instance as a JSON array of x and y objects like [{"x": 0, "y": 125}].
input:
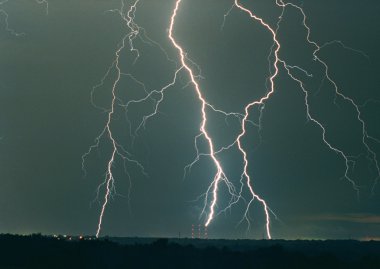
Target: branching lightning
[
  {"x": 192, "y": 71},
  {"x": 219, "y": 173},
  {"x": 118, "y": 151},
  {"x": 5, "y": 16},
  {"x": 371, "y": 155},
  {"x": 127, "y": 43}
]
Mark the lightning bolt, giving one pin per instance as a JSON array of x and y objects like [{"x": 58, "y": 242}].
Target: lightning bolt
[
  {"x": 127, "y": 43},
  {"x": 118, "y": 151},
  {"x": 220, "y": 174},
  {"x": 349, "y": 162},
  {"x": 371, "y": 155},
  {"x": 5, "y": 15},
  {"x": 192, "y": 71}
]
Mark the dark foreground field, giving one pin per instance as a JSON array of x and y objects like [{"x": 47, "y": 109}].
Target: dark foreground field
[{"x": 36, "y": 251}]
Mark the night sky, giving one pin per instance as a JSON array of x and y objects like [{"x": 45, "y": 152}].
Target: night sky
[{"x": 47, "y": 120}]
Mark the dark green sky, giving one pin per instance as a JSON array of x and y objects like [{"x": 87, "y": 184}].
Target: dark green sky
[{"x": 47, "y": 121}]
